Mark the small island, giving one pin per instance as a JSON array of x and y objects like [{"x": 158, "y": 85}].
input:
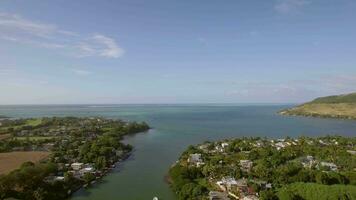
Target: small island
[
  {"x": 267, "y": 169},
  {"x": 50, "y": 158},
  {"x": 339, "y": 106}
]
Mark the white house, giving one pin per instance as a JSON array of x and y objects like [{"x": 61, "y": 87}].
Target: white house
[
  {"x": 246, "y": 165},
  {"x": 329, "y": 165},
  {"x": 196, "y": 159},
  {"x": 77, "y": 166}
]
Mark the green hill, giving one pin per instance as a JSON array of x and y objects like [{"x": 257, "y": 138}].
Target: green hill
[
  {"x": 338, "y": 106},
  {"x": 346, "y": 98}
]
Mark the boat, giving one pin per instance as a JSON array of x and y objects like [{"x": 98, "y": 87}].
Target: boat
[{"x": 155, "y": 198}]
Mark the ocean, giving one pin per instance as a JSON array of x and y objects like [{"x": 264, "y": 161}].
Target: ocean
[{"x": 174, "y": 128}]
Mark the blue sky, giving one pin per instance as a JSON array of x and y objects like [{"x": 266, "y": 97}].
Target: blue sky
[{"x": 176, "y": 51}]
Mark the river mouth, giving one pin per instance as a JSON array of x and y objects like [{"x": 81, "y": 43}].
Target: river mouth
[{"x": 175, "y": 127}]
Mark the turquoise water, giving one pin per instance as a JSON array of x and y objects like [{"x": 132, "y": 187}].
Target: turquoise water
[{"x": 174, "y": 128}]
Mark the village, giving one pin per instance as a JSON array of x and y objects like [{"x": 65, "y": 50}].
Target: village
[
  {"x": 79, "y": 151},
  {"x": 236, "y": 169}
]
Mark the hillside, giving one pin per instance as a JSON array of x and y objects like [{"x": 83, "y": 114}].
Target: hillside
[{"x": 338, "y": 106}]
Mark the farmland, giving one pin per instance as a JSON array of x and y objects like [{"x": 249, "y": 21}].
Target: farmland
[{"x": 13, "y": 160}]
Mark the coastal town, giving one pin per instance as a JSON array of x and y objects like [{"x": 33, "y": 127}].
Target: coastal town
[
  {"x": 260, "y": 168},
  {"x": 75, "y": 153}
]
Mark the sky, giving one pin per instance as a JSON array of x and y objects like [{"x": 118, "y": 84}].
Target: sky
[{"x": 175, "y": 51}]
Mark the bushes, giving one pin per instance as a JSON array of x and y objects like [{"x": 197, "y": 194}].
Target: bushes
[
  {"x": 313, "y": 191},
  {"x": 185, "y": 182}
]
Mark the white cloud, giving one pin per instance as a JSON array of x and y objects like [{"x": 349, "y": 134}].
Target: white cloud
[
  {"x": 11, "y": 22},
  {"x": 15, "y": 28},
  {"x": 110, "y": 48},
  {"x": 288, "y": 6},
  {"x": 81, "y": 72},
  {"x": 101, "y": 45}
]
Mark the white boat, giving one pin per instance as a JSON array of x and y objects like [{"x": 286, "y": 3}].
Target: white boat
[{"x": 155, "y": 198}]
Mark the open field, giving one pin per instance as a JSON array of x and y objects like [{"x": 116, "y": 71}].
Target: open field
[
  {"x": 332, "y": 110},
  {"x": 33, "y": 138},
  {"x": 4, "y": 136},
  {"x": 13, "y": 160},
  {"x": 34, "y": 122}
]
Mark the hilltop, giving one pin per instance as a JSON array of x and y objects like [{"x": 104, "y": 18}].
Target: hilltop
[{"x": 337, "y": 106}]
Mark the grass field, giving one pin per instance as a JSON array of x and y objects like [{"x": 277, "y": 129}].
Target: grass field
[
  {"x": 332, "y": 110},
  {"x": 13, "y": 160},
  {"x": 34, "y": 122}
]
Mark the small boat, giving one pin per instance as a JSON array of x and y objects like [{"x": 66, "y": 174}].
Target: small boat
[{"x": 155, "y": 198}]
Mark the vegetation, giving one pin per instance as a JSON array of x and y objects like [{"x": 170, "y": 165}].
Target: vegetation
[
  {"x": 317, "y": 191},
  {"x": 80, "y": 151},
  {"x": 347, "y": 98},
  {"x": 274, "y": 169},
  {"x": 342, "y": 106}
]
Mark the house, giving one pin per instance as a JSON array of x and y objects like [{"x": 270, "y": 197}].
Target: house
[
  {"x": 215, "y": 195},
  {"x": 51, "y": 179},
  {"x": 246, "y": 165},
  {"x": 86, "y": 170},
  {"x": 77, "y": 166},
  {"x": 329, "y": 165},
  {"x": 196, "y": 159},
  {"x": 323, "y": 143},
  {"x": 308, "y": 161},
  {"x": 250, "y": 197},
  {"x": 59, "y": 178},
  {"x": 352, "y": 152},
  {"x": 280, "y": 145},
  {"x": 221, "y": 147},
  {"x": 229, "y": 183},
  {"x": 224, "y": 144}
]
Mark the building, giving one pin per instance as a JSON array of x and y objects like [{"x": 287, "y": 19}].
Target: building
[
  {"x": 308, "y": 161},
  {"x": 250, "y": 197},
  {"x": 280, "y": 145},
  {"x": 215, "y": 195},
  {"x": 221, "y": 147},
  {"x": 228, "y": 184},
  {"x": 77, "y": 166},
  {"x": 329, "y": 165},
  {"x": 352, "y": 152},
  {"x": 196, "y": 159},
  {"x": 246, "y": 165}
]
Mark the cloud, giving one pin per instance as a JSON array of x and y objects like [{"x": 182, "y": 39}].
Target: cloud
[
  {"x": 100, "y": 45},
  {"x": 16, "y": 29},
  {"x": 288, "y": 6},
  {"x": 12, "y": 22},
  {"x": 81, "y": 72}
]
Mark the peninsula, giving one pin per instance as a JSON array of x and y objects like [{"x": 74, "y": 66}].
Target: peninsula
[
  {"x": 338, "y": 106},
  {"x": 50, "y": 158}
]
